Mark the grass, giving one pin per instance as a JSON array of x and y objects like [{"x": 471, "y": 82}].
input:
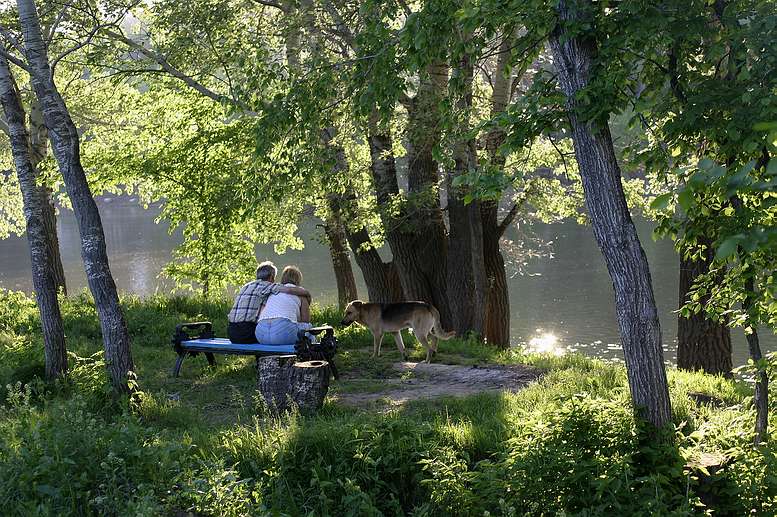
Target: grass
[{"x": 200, "y": 443}]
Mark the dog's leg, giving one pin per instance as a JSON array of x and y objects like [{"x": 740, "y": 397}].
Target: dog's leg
[
  {"x": 434, "y": 343},
  {"x": 376, "y": 339},
  {"x": 422, "y": 338},
  {"x": 400, "y": 345}
]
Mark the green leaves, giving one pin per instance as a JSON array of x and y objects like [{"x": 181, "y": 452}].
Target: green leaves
[
  {"x": 728, "y": 247},
  {"x": 662, "y": 201}
]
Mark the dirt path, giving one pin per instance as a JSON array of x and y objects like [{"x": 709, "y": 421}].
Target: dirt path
[{"x": 424, "y": 381}]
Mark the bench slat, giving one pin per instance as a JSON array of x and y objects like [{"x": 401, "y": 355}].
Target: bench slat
[{"x": 225, "y": 346}]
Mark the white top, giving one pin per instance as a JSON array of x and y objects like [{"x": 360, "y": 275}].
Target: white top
[{"x": 282, "y": 305}]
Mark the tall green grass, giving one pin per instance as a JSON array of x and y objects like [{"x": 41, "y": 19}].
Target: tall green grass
[{"x": 568, "y": 444}]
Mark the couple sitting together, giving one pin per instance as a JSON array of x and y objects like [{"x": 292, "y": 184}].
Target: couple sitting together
[{"x": 270, "y": 313}]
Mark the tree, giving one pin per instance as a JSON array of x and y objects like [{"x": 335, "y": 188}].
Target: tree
[
  {"x": 575, "y": 53},
  {"x": 702, "y": 342},
  {"x": 717, "y": 61},
  {"x": 42, "y": 255},
  {"x": 175, "y": 148},
  {"x": 65, "y": 145}
]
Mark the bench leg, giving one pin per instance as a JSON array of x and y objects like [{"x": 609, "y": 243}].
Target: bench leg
[
  {"x": 211, "y": 358},
  {"x": 178, "y": 363}
]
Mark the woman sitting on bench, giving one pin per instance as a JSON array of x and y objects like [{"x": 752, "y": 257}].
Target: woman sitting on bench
[{"x": 284, "y": 315}]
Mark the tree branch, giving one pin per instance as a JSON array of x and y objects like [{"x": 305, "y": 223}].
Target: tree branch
[
  {"x": 509, "y": 218},
  {"x": 269, "y": 3},
  {"x": 173, "y": 71}
]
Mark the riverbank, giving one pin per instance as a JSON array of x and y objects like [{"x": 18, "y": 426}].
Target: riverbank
[{"x": 564, "y": 442}]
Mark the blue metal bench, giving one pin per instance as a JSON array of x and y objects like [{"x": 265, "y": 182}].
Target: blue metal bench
[{"x": 191, "y": 339}]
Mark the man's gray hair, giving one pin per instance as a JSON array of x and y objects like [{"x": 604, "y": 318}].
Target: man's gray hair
[{"x": 266, "y": 271}]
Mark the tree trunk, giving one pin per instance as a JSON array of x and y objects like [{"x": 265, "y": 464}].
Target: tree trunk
[
  {"x": 574, "y": 55},
  {"x": 761, "y": 377},
  {"x": 284, "y": 384},
  {"x": 309, "y": 385},
  {"x": 65, "y": 146},
  {"x": 382, "y": 279},
  {"x": 418, "y": 249},
  {"x": 273, "y": 375},
  {"x": 423, "y": 255},
  {"x": 702, "y": 344},
  {"x": 43, "y": 278},
  {"x": 466, "y": 267},
  {"x": 338, "y": 250},
  {"x": 39, "y": 137},
  {"x": 497, "y": 324},
  {"x": 497, "y": 313}
]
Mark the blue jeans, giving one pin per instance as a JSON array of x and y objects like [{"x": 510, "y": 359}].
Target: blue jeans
[{"x": 278, "y": 331}]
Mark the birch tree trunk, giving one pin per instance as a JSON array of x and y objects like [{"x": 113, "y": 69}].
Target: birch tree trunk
[
  {"x": 574, "y": 55},
  {"x": 65, "y": 146},
  {"x": 43, "y": 275},
  {"x": 39, "y": 138}
]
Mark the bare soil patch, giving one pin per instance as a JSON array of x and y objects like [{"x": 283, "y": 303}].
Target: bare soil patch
[{"x": 425, "y": 381}]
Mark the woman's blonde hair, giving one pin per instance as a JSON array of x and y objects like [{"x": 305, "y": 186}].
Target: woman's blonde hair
[{"x": 291, "y": 275}]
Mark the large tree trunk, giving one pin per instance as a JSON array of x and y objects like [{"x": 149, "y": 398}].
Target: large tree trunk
[
  {"x": 424, "y": 255},
  {"x": 341, "y": 263},
  {"x": 466, "y": 267},
  {"x": 43, "y": 278},
  {"x": 419, "y": 272},
  {"x": 574, "y": 55},
  {"x": 39, "y": 138},
  {"x": 497, "y": 323},
  {"x": 702, "y": 344},
  {"x": 497, "y": 313},
  {"x": 65, "y": 146},
  {"x": 382, "y": 279},
  {"x": 334, "y": 227}
]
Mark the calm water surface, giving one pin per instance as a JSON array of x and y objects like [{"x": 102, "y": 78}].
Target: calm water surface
[{"x": 563, "y": 302}]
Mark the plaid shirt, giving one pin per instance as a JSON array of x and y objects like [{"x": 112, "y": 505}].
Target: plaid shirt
[{"x": 250, "y": 299}]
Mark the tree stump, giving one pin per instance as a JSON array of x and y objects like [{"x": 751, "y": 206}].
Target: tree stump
[
  {"x": 309, "y": 385},
  {"x": 273, "y": 374},
  {"x": 283, "y": 384}
]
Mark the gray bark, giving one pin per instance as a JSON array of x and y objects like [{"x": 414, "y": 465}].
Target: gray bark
[
  {"x": 284, "y": 384},
  {"x": 273, "y": 375},
  {"x": 466, "y": 266},
  {"x": 574, "y": 55},
  {"x": 43, "y": 274},
  {"x": 702, "y": 344},
  {"x": 309, "y": 385},
  {"x": 39, "y": 138},
  {"x": 497, "y": 313},
  {"x": 65, "y": 146},
  {"x": 341, "y": 263}
]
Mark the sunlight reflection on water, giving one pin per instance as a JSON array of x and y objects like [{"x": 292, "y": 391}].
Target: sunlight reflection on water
[{"x": 545, "y": 343}]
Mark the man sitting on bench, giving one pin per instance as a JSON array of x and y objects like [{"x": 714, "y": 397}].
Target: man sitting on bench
[{"x": 250, "y": 299}]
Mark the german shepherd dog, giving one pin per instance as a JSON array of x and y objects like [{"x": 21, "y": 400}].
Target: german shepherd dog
[{"x": 380, "y": 318}]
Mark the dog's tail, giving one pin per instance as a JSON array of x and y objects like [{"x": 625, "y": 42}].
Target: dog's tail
[{"x": 437, "y": 328}]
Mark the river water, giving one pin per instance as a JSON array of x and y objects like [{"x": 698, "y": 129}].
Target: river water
[{"x": 562, "y": 301}]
